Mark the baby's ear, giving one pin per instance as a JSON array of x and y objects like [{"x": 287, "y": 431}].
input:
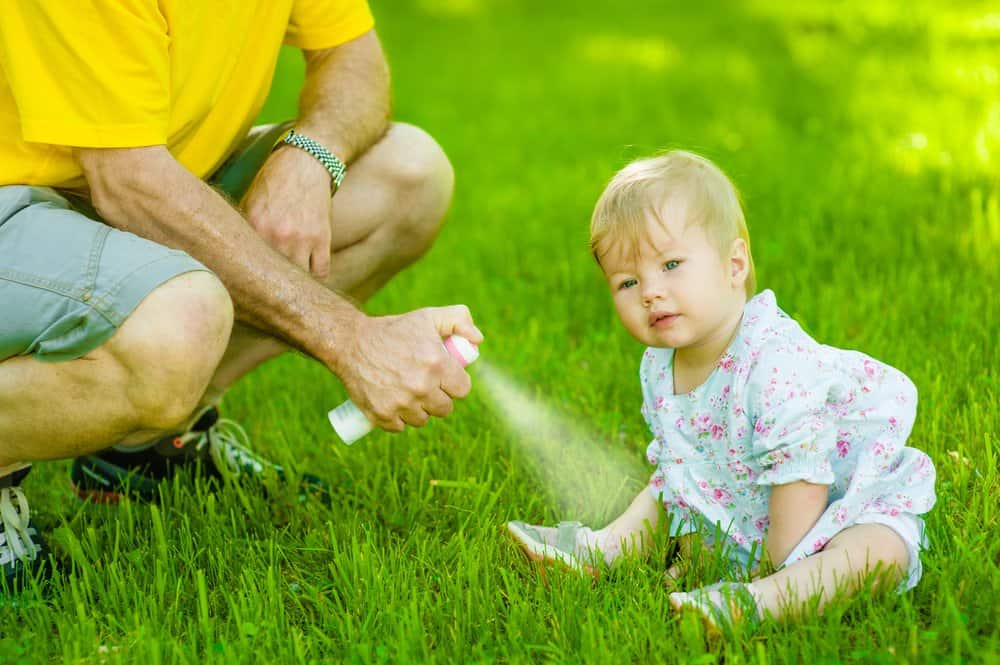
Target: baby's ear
[{"x": 739, "y": 262}]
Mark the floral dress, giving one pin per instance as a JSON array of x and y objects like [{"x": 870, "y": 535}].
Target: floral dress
[{"x": 780, "y": 407}]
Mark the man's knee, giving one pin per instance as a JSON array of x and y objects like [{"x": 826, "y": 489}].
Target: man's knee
[
  {"x": 170, "y": 347},
  {"x": 424, "y": 180}
]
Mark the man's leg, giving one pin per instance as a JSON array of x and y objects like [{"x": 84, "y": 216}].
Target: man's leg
[
  {"x": 385, "y": 216},
  {"x": 390, "y": 213},
  {"x": 141, "y": 382},
  {"x": 137, "y": 385},
  {"x": 105, "y": 337}
]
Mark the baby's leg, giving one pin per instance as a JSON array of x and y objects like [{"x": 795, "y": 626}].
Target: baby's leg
[
  {"x": 631, "y": 530},
  {"x": 840, "y": 568},
  {"x": 576, "y": 546}
]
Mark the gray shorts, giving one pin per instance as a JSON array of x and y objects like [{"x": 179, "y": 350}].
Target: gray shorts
[{"x": 67, "y": 280}]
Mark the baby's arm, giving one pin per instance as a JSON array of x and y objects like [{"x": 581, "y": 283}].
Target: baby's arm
[
  {"x": 631, "y": 529},
  {"x": 793, "y": 510}
]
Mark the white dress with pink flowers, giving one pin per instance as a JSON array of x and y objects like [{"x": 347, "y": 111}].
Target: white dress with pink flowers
[{"x": 780, "y": 407}]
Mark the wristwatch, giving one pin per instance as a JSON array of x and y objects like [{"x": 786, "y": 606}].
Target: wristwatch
[{"x": 330, "y": 162}]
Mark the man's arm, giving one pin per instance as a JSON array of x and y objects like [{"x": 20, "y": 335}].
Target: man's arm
[
  {"x": 344, "y": 105},
  {"x": 394, "y": 367},
  {"x": 793, "y": 510},
  {"x": 147, "y": 192}
]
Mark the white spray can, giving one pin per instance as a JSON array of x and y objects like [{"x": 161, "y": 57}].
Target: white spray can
[{"x": 351, "y": 423}]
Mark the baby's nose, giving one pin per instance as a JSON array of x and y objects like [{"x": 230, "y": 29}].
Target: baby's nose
[{"x": 653, "y": 290}]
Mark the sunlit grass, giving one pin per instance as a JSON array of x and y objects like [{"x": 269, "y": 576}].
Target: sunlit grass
[
  {"x": 627, "y": 52},
  {"x": 863, "y": 138}
]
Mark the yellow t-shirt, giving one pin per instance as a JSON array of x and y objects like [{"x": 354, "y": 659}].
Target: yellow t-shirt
[{"x": 188, "y": 74}]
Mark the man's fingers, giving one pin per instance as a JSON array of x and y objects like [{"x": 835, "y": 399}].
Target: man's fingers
[
  {"x": 296, "y": 253},
  {"x": 394, "y": 424},
  {"x": 300, "y": 256},
  {"x": 320, "y": 262},
  {"x": 416, "y": 417},
  {"x": 320, "y": 265},
  {"x": 455, "y": 320},
  {"x": 438, "y": 404},
  {"x": 410, "y": 376},
  {"x": 455, "y": 381}
]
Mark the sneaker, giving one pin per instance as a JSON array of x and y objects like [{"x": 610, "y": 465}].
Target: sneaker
[
  {"x": 22, "y": 550},
  {"x": 214, "y": 448}
]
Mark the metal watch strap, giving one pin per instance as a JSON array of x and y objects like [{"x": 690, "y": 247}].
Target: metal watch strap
[{"x": 334, "y": 166}]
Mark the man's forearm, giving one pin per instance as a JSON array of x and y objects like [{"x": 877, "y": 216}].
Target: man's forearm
[
  {"x": 147, "y": 192},
  {"x": 345, "y": 102}
]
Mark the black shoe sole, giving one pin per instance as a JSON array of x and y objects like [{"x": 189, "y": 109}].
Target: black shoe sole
[{"x": 98, "y": 481}]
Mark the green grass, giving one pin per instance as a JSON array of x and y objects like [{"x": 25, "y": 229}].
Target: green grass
[{"x": 865, "y": 138}]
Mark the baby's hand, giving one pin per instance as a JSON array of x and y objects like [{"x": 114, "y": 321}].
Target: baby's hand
[
  {"x": 676, "y": 571},
  {"x": 679, "y": 569},
  {"x": 689, "y": 548}
]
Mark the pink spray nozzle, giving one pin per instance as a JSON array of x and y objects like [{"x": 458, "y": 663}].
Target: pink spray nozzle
[{"x": 461, "y": 349}]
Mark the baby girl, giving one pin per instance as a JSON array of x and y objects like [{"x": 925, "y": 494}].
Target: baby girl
[{"x": 793, "y": 453}]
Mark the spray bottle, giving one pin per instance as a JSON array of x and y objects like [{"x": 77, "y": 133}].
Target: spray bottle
[{"x": 351, "y": 423}]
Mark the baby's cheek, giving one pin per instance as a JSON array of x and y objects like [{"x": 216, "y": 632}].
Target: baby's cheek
[{"x": 630, "y": 320}]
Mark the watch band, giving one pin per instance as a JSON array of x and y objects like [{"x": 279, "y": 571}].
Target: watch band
[{"x": 330, "y": 162}]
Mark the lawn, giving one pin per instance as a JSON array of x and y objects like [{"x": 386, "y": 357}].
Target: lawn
[{"x": 865, "y": 140}]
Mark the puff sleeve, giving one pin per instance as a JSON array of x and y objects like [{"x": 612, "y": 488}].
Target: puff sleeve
[{"x": 794, "y": 436}]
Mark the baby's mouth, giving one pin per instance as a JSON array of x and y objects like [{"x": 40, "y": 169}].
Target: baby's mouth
[{"x": 662, "y": 319}]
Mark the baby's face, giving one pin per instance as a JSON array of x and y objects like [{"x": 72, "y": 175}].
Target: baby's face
[{"x": 675, "y": 290}]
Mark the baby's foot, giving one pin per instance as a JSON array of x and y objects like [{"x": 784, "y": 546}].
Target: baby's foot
[
  {"x": 569, "y": 543},
  {"x": 722, "y": 606}
]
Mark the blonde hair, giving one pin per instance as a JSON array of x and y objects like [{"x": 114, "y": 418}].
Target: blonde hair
[{"x": 642, "y": 186}]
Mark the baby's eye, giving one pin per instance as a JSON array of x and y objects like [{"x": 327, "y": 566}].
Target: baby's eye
[
  {"x": 627, "y": 284},
  {"x": 670, "y": 265}
]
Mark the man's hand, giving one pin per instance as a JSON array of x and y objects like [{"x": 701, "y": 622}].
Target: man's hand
[
  {"x": 344, "y": 105},
  {"x": 397, "y": 370},
  {"x": 289, "y": 205}
]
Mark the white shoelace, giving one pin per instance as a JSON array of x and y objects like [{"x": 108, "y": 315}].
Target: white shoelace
[
  {"x": 15, "y": 540},
  {"x": 228, "y": 444}
]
